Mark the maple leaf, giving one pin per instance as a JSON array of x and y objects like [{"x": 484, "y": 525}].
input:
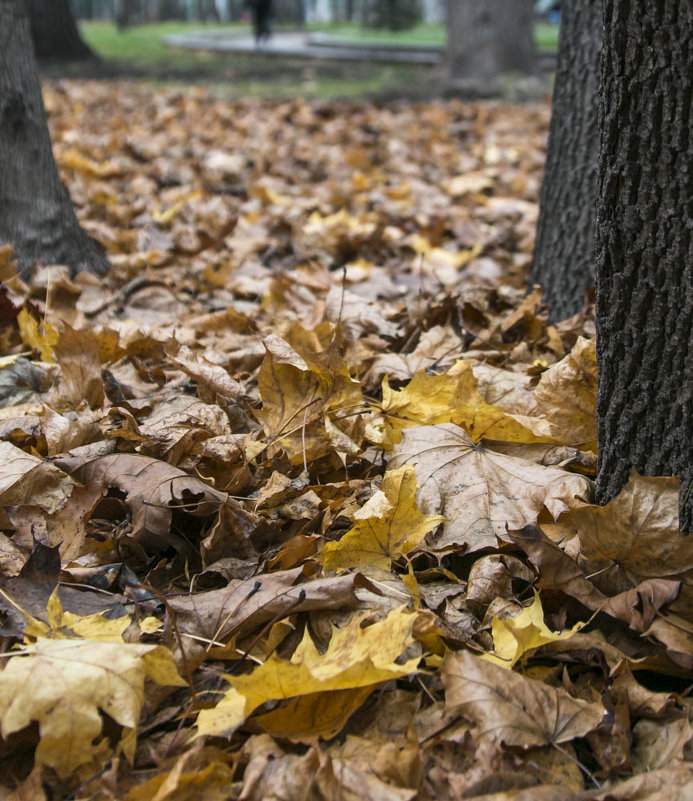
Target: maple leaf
[
  {"x": 356, "y": 657},
  {"x": 638, "y": 529},
  {"x": 481, "y": 493},
  {"x": 507, "y": 707},
  {"x": 26, "y": 479},
  {"x": 453, "y": 397},
  {"x": 519, "y": 636},
  {"x": 309, "y": 401},
  {"x": 567, "y": 395},
  {"x": 63, "y": 684},
  {"x": 386, "y": 527}
]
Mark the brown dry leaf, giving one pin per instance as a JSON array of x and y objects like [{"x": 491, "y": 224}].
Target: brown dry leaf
[
  {"x": 481, "y": 493},
  {"x": 567, "y": 395},
  {"x": 638, "y": 529},
  {"x": 673, "y": 783},
  {"x": 26, "y": 479},
  {"x": 213, "y": 381},
  {"x": 63, "y": 684},
  {"x": 308, "y": 402},
  {"x": 637, "y": 606},
  {"x": 153, "y": 489},
  {"x": 509, "y": 708},
  {"x": 77, "y": 355},
  {"x": 658, "y": 743},
  {"x": 211, "y": 617}
]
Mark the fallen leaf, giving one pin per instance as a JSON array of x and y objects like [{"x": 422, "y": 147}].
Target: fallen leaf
[
  {"x": 356, "y": 657},
  {"x": 388, "y": 526},
  {"x": 481, "y": 493},
  {"x": 26, "y": 479},
  {"x": 638, "y": 529},
  {"x": 509, "y": 708},
  {"x": 64, "y": 684}
]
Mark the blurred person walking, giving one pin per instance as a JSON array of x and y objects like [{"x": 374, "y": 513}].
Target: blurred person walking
[{"x": 261, "y": 12}]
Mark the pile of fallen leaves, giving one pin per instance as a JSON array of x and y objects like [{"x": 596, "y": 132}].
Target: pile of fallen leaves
[{"x": 296, "y": 501}]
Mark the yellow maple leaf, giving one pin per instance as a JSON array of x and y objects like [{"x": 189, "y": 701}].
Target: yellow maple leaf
[
  {"x": 452, "y": 397},
  {"x": 386, "y": 527},
  {"x": 66, "y": 625},
  {"x": 356, "y": 657},
  {"x": 42, "y": 337},
  {"x": 65, "y": 684},
  {"x": 516, "y": 637}
]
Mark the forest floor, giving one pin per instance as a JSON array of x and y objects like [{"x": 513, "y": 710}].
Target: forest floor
[{"x": 296, "y": 500}]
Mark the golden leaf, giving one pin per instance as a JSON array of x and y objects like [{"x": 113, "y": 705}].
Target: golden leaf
[
  {"x": 388, "y": 525},
  {"x": 355, "y": 657}
]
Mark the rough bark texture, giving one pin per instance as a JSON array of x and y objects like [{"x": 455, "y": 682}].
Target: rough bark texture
[
  {"x": 563, "y": 260},
  {"x": 489, "y": 38},
  {"x": 37, "y": 217},
  {"x": 644, "y": 257},
  {"x": 54, "y": 31}
]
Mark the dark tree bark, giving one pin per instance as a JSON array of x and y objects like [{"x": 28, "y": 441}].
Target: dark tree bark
[
  {"x": 563, "y": 260},
  {"x": 54, "y": 31},
  {"x": 37, "y": 217},
  {"x": 644, "y": 256},
  {"x": 489, "y": 38}
]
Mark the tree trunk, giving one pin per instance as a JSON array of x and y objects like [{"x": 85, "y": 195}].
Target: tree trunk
[
  {"x": 125, "y": 13},
  {"x": 54, "y": 31},
  {"x": 563, "y": 260},
  {"x": 489, "y": 38},
  {"x": 37, "y": 217},
  {"x": 644, "y": 256}
]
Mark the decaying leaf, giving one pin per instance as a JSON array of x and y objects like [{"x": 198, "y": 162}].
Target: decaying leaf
[
  {"x": 507, "y": 707},
  {"x": 481, "y": 493},
  {"x": 63, "y": 684},
  {"x": 26, "y": 479},
  {"x": 638, "y": 529}
]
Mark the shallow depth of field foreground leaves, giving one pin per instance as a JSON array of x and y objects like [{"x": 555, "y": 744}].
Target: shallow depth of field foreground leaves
[{"x": 296, "y": 502}]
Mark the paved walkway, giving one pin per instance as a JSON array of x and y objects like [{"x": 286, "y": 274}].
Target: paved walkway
[
  {"x": 305, "y": 45},
  {"x": 319, "y": 45}
]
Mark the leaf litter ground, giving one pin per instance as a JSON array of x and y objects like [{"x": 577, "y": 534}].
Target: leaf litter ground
[{"x": 296, "y": 502}]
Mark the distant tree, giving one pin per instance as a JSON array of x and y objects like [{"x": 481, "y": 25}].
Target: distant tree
[
  {"x": 36, "y": 216},
  {"x": 396, "y": 15},
  {"x": 563, "y": 261},
  {"x": 644, "y": 246},
  {"x": 486, "y": 38},
  {"x": 54, "y": 31}
]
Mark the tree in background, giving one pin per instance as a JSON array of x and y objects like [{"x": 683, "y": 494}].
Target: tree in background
[
  {"x": 54, "y": 31},
  {"x": 644, "y": 255},
  {"x": 37, "y": 217},
  {"x": 396, "y": 15},
  {"x": 489, "y": 38},
  {"x": 563, "y": 260}
]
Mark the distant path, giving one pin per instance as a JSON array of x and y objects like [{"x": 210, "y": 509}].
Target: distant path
[{"x": 318, "y": 45}]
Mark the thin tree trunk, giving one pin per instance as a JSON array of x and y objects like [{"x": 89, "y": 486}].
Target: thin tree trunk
[
  {"x": 644, "y": 254},
  {"x": 489, "y": 38},
  {"x": 37, "y": 217},
  {"x": 563, "y": 260},
  {"x": 54, "y": 31}
]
